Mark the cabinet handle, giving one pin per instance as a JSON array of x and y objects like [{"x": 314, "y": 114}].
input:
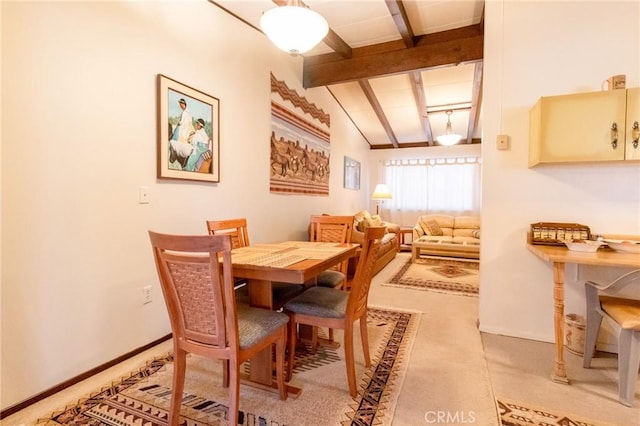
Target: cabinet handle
[
  {"x": 635, "y": 134},
  {"x": 614, "y": 135}
]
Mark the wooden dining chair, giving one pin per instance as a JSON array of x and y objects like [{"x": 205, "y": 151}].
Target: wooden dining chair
[
  {"x": 337, "y": 309},
  {"x": 624, "y": 315},
  {"x": 235, "y": 228},
  {"x": 335, "y": 229},
  {"x": 238, "y": 231},
  {"x": 199, "y": 294}
]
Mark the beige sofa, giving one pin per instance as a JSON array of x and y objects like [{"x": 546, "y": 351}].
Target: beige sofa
[
  {"x": 390, "y": 242},
  {"x": 444, "y": 235}
]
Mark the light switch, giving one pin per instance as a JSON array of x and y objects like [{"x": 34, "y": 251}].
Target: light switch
[
  {"x": 143, "y": 195},
  {"x": 502, "y": 142}
]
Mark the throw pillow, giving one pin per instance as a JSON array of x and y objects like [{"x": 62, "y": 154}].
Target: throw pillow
[
  {"x": 475, "y": 233},
  {"x": 431, "y": 227}
]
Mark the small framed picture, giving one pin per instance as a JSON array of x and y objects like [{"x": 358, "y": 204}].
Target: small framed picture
[
  {"x": 351, "y": 173},
  {"x": 188, "y": 133}
]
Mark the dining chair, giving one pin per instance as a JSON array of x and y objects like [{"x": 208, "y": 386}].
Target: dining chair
[
  {"x": 196, "y": 278},
  {"x": 336, "y": 229},
  {"x": 238, "y": 231},
  {"x": 624, "y": 315},
  {"x": 235, "y": 228},
  {"x": 337, "y": 309}
]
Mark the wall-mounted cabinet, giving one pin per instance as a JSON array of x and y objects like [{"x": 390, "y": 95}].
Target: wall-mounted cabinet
[{"x": 585, "y": 127}]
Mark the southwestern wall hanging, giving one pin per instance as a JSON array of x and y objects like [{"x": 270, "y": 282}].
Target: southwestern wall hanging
[
  {"x": 299, "y": 144},
  {"x": 188, "y": 133}
]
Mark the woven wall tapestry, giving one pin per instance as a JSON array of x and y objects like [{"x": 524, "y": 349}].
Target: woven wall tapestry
[{"x": 300, "y": 147}]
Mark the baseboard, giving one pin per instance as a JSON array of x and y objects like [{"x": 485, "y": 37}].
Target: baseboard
[{"x": 77, "y": 379}]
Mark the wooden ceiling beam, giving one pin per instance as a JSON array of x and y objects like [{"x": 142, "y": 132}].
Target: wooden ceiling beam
[
  {"x": 417, "y": 87},
  {"x": 452, "y": 47},
  {"x": 399, "y": 15},
  {"x": 476, "y": 99},
  {"x": 373, "y": 100}
]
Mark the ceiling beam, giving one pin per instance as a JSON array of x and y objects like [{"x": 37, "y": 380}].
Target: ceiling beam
[
  {"x": 399, "y": 15},
  {"x": 368, "y": 91},
  {"x": 476, "y": 98},
  {"x": 336, "y": 43},
  {"x": 417, "y": 87},
  {"x": 452, "y": 47},
  {"x": 412, "y": 145}
]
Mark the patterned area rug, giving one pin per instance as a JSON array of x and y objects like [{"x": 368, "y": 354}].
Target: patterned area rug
[
  {"x": 143, "y": 397},
  {"x": 515, "y": 414},
  {"x": 459, "y": 276}
]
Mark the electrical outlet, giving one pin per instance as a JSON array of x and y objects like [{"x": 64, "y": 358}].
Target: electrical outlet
[{"x": 146, "y": 294}]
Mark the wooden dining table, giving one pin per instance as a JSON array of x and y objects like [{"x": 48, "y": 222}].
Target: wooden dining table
[
  {"x": 559, "y": 256},
  {"x": 295, "y": 262}
]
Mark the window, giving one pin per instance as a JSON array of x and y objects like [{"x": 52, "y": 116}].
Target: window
[{"x": 445, "y": 185}]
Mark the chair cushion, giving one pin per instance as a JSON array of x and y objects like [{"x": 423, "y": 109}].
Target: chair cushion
[
  {"x": 254, "y": 324},
  {"x": 320, "y": 302},
  {"x": 330, "y": 279},
  {"x": 625, "y": 312}
]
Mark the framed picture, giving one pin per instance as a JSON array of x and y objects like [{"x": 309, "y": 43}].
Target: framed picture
[
  {"x": 188, "y": 133},
  {"x": 351, "y": 173}
]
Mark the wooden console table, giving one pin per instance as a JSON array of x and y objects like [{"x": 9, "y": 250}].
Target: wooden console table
[{"x": 558, "y": 256}]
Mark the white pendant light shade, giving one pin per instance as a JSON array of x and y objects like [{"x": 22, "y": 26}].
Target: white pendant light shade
[
  {"x": 449, "y": 138},
  {"x": 294, "y": 29}
]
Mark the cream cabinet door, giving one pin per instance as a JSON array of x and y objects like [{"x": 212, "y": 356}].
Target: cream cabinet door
[
  {"x": 578, "y": 128},
  {"x": 632, "y": 146}
]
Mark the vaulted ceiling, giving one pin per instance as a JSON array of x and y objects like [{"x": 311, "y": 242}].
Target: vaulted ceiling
[{"x": 395, "y": 66}]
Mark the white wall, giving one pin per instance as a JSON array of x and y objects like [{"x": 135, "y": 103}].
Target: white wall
[
  {"x": 79, "y": 138},
  {"x": 535, "y": 49}
]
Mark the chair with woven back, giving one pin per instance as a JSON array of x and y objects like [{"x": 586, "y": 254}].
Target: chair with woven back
[
  {"x": 337, "y": 309},
  {"x": 624, "y": 314},
  {"x": 196, "y": 278},
  {"x": 336, "y": 229},
  {"x": 238, "y": 231}
]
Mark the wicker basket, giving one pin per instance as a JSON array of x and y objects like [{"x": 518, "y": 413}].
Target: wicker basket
[{"x": 554, "y": 234}]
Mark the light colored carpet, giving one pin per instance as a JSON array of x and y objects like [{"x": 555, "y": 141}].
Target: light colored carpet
[
  {"x": 453, "y": 369},
  {"x": 447, "y": 275},
  {"x": 145, "y": 396}
]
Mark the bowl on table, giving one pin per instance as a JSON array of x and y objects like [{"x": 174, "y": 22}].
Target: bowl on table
[
  {"x": 628, "y": 246},
  {"x": 586, "y": 246}
]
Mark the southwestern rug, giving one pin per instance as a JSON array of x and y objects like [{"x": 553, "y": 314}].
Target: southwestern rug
[
  {"x": 442, "y": 274},
  {"x": 143, "y": 397},
  {"x": 517, "y": 414}
]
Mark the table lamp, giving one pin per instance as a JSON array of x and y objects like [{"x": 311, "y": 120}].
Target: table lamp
[{"x": 380, "y": 194}]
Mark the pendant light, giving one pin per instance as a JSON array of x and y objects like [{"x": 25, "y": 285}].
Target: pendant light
[
  {"x": 449, "y": 138},
  {"x": 294, "y": 28}
]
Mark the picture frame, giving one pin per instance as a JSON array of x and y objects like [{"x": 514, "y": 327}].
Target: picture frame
[
  {"x": 351, "y": 173},
  {"x": 188, "y": 132}
]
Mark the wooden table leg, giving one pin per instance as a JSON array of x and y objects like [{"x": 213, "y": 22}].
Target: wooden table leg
[
  {"x": 559, "y": 374},
  {"x": 260, "y": 367}
]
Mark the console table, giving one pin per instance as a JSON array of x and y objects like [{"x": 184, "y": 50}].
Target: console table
[{"x": 558, "y": 256}]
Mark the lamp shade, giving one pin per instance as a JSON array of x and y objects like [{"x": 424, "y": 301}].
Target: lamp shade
[
  {"x": 294, "y": 29},
  {"x": 381, "y": 192}
]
